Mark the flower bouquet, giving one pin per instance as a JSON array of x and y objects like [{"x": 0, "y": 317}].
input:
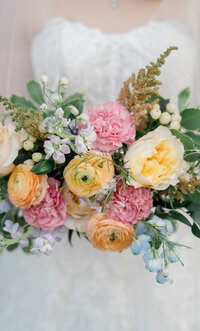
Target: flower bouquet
[{"x": 121, "y": 174}]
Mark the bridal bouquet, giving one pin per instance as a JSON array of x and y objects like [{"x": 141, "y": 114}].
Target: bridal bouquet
[{"x": 121, "y": 174}]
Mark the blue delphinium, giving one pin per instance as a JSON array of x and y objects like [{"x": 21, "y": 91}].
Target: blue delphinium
[{"x": 157, "y": 238}]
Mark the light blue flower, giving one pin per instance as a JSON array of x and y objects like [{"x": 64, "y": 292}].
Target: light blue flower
[
  {"x": 156, "y": 264},
  {"x": 163, "y": 277},
  {"x": 140, "y": 243},
  {"x": 171, "y": 256},
  {"x": 147, "y": 256}
]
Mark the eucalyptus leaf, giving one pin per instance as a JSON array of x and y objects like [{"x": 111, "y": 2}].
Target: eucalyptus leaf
[
  {"x": 35, "y": 91},
  {"x": 192, "y": 156},
  {"x": 21, "y": 101},
  {"x": 43, "y": 167},
  {"x": 184, "y": 99},
  {"x": 196, "y": 230},
  {"x": 77, "y": 100},
  {"x": 195, "y": 136},
  {"x": 174, "y": 214},
  {"x": 186, "y": 141},
  {"x": 70, "y": 233},
  {"x": 191, "y": 118}
]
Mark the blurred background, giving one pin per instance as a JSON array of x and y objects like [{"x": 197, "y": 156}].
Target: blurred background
[{"x": 97, "y": 44}]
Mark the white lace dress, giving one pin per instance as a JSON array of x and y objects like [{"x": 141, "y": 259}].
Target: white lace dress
[{"x": 79, "y": 288}]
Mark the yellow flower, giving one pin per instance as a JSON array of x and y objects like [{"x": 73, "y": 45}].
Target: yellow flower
[
  {"x": 74, "y": 207},
  {"x": 25, "y": 188},
  {"x": 10, "y": 143},
  {"x": 156, "y": 160},
  {"x": 107, "y": 234},
  {"x": 86, "y": 174}
]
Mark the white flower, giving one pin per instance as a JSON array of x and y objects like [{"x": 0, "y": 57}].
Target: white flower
[
  {"x": 44, "y": 79},
  {"x": 43, "y": 107},
  {"x": 81, "y": 147},
  {"x": 83, "y": 118},
  {"x": 64, "y": 82},
  {"x": 43, "y": 245},
  {"x": 156, "y": 160},
  {"x": 4, "y": 206},
  {"x": 10, "y": 144},
  {"x": 56, "y": 148},
  {"x": 89, "y": 134},
  {"x": 60, "y": 112},
  {"x": 16, "y": 231}
]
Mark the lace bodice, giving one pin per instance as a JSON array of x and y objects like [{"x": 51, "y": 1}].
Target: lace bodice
[{"x": 98, "y": 63}]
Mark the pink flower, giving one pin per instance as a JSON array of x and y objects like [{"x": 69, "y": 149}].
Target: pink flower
[
  {"x": 51, "y": 211},
  {"x": 131, "y": 205},
  {"x": 113, "y": 126}
]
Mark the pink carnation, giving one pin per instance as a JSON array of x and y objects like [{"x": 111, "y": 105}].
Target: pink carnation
[
  {"x": 131, "y": 205},
  {"x": 51, "y": 211},
  {"x": 113, "y": 126}
]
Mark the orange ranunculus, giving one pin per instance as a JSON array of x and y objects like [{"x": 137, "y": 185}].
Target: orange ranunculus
[
  {"x": 74, "y": 207},
  {"x": 107, "y": 234},
  {"x": 26, "y": 188},
  {"x": 86, "y": 174}
]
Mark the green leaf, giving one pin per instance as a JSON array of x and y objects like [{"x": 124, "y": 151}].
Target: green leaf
[
  {"x": 186, "y": 141},
  {"x": 195, "y": 197},
  {"x": 140, "y": 133},
  {"x": 174, "y": 214},
  {"x": 3, "y": 186},
  {"x": 196, "y": 230},
  {"x": 43, "y": 167},
  {"x": 191, "y": 118},
  {"x": 11, "y": 248},
  {"x": 21, "y": 101},
  {"x": 77, "y": 100},
  {"x": 195, "y": 137},
  {"x": 184, "y": 99},
  {"x": 192, "y": 156},
  {"x": 70, "y": 233},
  {"x": 35, "y": 91}
]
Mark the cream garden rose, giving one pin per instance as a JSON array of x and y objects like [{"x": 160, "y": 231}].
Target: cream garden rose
[
  {"x": 156, "y": 160},
  {"x": 10, "y": 143}
]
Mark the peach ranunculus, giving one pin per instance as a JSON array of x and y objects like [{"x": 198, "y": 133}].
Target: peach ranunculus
[
  {"x": 10, "y": 143},
  {"x": 107, "y": 234},
  {"x": 74, "y": 207},
  {"x": 87, "y": 173},
  {"x": 156, "y": 160},
  {"x": 25, "y": 188}
]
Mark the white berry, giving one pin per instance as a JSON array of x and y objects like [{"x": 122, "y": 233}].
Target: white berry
[
  {"x": 31, "y": 138},
  {"x": 165, "y": 118},
  {"x": 43, "y": 107},
  {"x": 37, "y": 157},
  {"x": 171, "y": 107},
  {"x": 176, "y": 117},
  {"x": 42, "y": 128},
  {"x": 73, "y": 110},
  {"x": 29, "y": 163},
  {"x": 28, "y": 145},
  {"x": 155, "y": 113},
  {"x": 175, "y": 125}
]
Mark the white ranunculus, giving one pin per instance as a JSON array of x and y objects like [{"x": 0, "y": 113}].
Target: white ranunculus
[
  {"x": 10, "y": 144},
  {"x": 156, "y": 160}
]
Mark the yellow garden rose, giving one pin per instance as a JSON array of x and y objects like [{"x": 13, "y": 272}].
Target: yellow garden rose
[
  {"x": 107, "y": 234},
  {"x": 156, "y": 160},
  {"x": 86, "y": 174},
  {"x": 10, "y": 143},
  {"x": 74, "y": 207},
  {"x": 26, "y": 188}
]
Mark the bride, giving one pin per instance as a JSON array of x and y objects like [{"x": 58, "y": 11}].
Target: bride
[{"x": 97, "y": 44}]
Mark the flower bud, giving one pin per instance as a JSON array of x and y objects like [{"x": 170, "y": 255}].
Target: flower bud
[
  {"x": 171, "y": 107},
  {"x": 58, "y": 162},
  {"x": 175, "y": 125},
  {"x": 31, "y": 138},
  {"x": 43, "y": 107},
  {"x": 28, "y": 145},
  {"x": 37, "y": 157},
  {"x": 83, "y": 118},
  {"x": 44, "y": 79},
  {"x": 74, "y": 110},
  {"x": 165, "y": 118},
  {"x": 29, "y": 163},
  {"x": 55, "y": 98},
  {"x": 42, "y": 128},
  {"x": 64, "y": 82},
  {"x": 155, "y": 112}
]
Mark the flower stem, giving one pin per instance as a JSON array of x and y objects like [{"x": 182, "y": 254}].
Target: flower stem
[{"x": 7, "y": 242}]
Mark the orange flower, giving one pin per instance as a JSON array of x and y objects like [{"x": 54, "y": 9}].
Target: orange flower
[
  {"x": 26, "y": 188},
  {"x": 108, "y": 235},
  {"x": 74, "y": 207},
  {"x": 86, "y": 174}
]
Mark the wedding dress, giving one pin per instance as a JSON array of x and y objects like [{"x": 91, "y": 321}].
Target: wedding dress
[{"x": 79, "y": 288}]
